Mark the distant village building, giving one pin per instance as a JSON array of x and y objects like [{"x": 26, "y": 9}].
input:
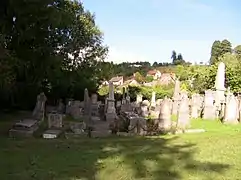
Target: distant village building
[
  {"x": 154, "y": 73},
  {"x": 117, "y": 81},
  {"x": 167, "y": 78},
  {"x": 131, "y": 82}
]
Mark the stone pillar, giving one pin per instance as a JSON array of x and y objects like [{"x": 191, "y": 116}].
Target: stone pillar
[
  {"x": 86, "y": 102},
  {"x": 138, "y": 99},
  {"x": 176, "y": 97},
  {"x": 153, "y": 99},
  {"x": 111, "y": 111}
]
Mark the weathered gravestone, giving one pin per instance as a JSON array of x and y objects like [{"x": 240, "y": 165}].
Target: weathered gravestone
[
  {"x": 39, "y": 110},
  {"x": 164, "y": 123},
  {"x": 24, "y": 128},
  {"x": 195, "y": 105},
  {"x": 111, "y": 111},
  {"x": 231, "y": 111},
  {"x": 55, "y": 120},
  {"x": 144, "y": 108},
  {"x": 183, "y": 120},
  {"x": 209, "y": 111}
]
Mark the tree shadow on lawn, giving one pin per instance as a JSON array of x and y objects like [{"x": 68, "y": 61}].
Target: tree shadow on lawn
[{"x": 107, "y": 158}]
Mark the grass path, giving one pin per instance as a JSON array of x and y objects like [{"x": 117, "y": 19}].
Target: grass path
[{"x": 215, "y": 154}]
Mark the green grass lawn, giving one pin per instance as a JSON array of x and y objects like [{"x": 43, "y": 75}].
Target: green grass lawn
[{"x": 215, "y": 154}]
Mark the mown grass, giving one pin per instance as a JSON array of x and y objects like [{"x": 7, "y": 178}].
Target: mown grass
[{"x": 214, "y": 154}]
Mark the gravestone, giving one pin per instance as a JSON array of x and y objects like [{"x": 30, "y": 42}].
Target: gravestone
[
  {"x": 111, "y": 111},
  {"x": 94, "y": 107},
  {"x": 55, "y": 120},
  {"x": 176, "y": 97},
  {"x": 209, "y": 111},
  {"x": 86, "y": 102},
  {"x": 39, "y": 110},
  {"x": 153, "y": 99},
  {"x": 219, "y": 84},
  {"x": 195, "y": 105},
  {"x": 231, "y": 111},
  {"x": 61, "y": 107},
  {"x": 139, "y": 99},
  {"x": 183, "y": 120},
  {"x": 144, "y": 108},
  {"x": 24, "y": 128},
  {"x": 164, "y": 121}
]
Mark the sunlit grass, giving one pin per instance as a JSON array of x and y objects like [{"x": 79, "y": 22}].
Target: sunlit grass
[{"x": 214, "y": 154}]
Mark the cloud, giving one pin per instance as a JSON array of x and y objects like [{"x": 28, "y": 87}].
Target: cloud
[{"x": 118, "y": 55}]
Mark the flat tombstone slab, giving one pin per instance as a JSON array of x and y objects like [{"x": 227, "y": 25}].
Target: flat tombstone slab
[
  {"x": 26, "y": 123},
  {"x": 51, "y": 134}
]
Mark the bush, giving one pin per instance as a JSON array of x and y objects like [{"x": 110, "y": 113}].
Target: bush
[{"x": 161, "y": 91}]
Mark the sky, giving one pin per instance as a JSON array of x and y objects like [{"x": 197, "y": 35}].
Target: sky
[{"x": 149, "y": 30}]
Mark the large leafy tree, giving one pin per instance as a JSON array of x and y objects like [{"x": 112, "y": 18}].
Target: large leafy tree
[{"x": 50, "y": 45}]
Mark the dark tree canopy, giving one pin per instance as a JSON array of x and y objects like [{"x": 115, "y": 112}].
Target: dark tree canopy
[{"x": 47, "y": 45}]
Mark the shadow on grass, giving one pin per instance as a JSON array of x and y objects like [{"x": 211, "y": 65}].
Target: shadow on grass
[{"x": 103, "y": 159}]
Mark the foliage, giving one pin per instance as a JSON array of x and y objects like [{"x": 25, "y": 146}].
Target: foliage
[
  {"x": 51, "y": 46},
  {"x": 161, "y": 91},
  {"x": 104, "y": 90},
  {"x": 233, "y": 71},
  {"x": 219, "y": 49},
  {"x": 139, "y": 78},
  {"x": 149, "y": 78}
]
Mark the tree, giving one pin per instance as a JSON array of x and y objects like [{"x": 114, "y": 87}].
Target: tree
[
  {"x": 155, "y": 64},
  {"x": 174, "y": 56},
  {"x": 226, "y": 47},
  {"x": 233, "y": 72},
  {"x": 219, "y": 49},
  {"x": 237, "y": 51},
  {"x": 179, "y": 57},
  {"x": 139, "y": 78},
  {"x": 215, "y": 52},
  {"x": 38, "y": 38}
]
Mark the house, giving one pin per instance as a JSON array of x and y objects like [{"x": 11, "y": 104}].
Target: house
[
  {"x": 167, "y": 78},
  {"x": 154, "y": 73},
  {"x": 131, "y": 82},
  {"x": 117, "y": 81}
]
